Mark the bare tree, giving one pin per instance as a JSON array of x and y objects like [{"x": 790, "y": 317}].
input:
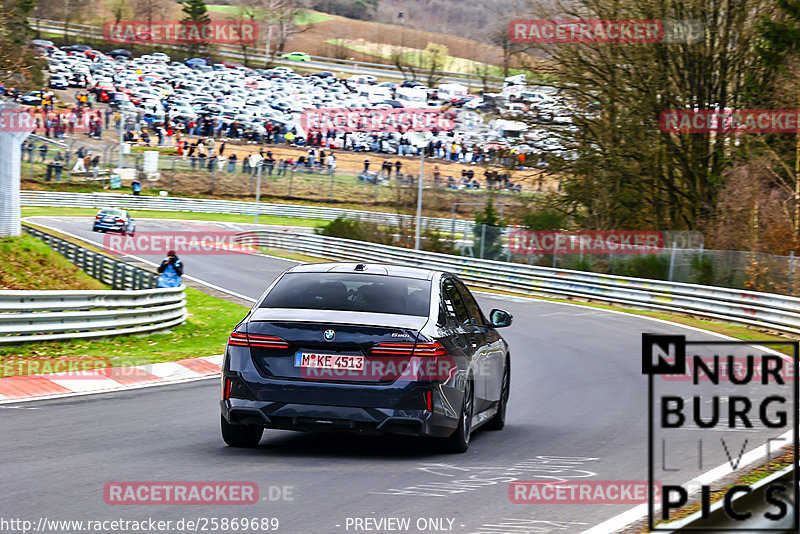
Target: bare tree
[
  {"x": 245, "y": 14},
  {"x": 120, "y": 9},
  {"x": 146, "y": 9},
  {"x": 402, "y": 60},
  {"x": 338, "y": 49},
  {"x": 499, "y": 37},
  {"x": 280, "y": 20},
  {"x": 434, "y": 59},
  {"x": 67, "y": 13}
]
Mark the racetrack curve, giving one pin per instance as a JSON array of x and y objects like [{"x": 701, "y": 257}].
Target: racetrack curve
[{"x": 578, "y": 409}]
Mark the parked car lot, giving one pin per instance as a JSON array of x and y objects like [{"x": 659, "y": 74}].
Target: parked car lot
[
  {"x": 232, "y": 100},
  {"x": 58, "y": 81}
]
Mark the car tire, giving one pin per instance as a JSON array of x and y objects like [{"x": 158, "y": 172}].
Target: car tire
[
  {"x": 499, "y": 420},
  {"x": 458, "y": 442},
  {"x": 244, "y": 436}
]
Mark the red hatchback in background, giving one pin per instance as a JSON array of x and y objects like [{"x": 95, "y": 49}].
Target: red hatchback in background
[{"x": 105, "y": 93}]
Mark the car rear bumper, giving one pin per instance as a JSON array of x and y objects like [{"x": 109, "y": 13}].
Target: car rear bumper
[
  {"x": 109, "y": 227},
  {"x": 314, "y": 417}
]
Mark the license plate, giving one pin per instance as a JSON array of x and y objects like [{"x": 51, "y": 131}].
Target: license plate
[{"x": 315, "y": 360}]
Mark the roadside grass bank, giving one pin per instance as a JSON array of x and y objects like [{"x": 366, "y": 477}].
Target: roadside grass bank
[
  {"x": 27, "y": 263},
  {"x": 33, "y": 211}
]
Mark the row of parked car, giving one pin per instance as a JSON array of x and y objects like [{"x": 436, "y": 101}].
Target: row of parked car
[{"x": 156, "y": 88}]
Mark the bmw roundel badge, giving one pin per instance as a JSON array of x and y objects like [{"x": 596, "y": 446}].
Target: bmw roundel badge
[{"x": 329, "y": 335}]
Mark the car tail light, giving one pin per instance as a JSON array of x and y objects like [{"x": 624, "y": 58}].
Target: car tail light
[
  {"x": 226, "y": 389},
  {"x": 267, "y": 341},
  {"x": 428, "y": 399},
  {"x": 98, "y": 216},
  {"x": 430, "y": 349},
  {"x": 239, "y": 339},
  {"x": 393, "y": 349},
  {"x": 409, "y": 349}
]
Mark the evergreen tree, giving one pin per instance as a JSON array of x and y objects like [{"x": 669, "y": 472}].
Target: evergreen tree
[
  {"x": 18, "y": 65},
  {"x": 196, "y": 11},
  {"x": 488, "y": 232},
  {"x": 196, "y": 14}
]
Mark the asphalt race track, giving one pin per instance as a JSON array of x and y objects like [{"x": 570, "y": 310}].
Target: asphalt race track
[{"x": 578, "y": 410}]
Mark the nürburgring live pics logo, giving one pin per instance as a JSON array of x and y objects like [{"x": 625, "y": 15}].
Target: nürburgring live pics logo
[{"x": 740, "y": 395}]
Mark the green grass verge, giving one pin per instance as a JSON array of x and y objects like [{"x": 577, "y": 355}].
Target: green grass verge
[
  {"x": 204, "y": 333},
  {"x": 31, "y": 211},
  {"x": 291, "y": 255},
  {"x": 29, "y": 264}
]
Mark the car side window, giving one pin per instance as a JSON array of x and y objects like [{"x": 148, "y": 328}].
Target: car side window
[
  {"x": 453, "y": 301},
  {"x": 473, "y": 308}
]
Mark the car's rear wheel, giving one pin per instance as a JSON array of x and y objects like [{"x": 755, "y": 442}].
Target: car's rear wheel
[
  {"x": 499, "y": 420},
  {"x": 459, "y": 440},
  {"x": 240, "y": 435}
]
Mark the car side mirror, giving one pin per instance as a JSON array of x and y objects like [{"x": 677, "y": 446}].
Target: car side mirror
[{"x": 500, "y": 318}]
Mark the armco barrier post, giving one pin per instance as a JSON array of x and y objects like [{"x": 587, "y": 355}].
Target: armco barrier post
[
  {"x": 483, "y": 239},
  {"x": 213, "y": 174},
  {"x": 10, "y": 171},
  {"x": 258, "y": 190},
  {"x": 672, "y": 261}
]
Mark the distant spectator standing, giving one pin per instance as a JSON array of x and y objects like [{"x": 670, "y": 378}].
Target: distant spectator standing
[
  {"x": 330, "y": 162},
  {"x": 58, "y": 165},
  {"x": 270, "y": 162}
]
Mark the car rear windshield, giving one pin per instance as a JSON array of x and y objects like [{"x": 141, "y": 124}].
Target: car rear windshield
[
  {"x": 351, "y": 292},
  {"x": 117, "y": 213}
]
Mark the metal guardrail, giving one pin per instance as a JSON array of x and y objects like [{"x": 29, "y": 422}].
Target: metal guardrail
[
  {"x": 769, "y": 311},
  {"x": 765, "y": 310},
  {"x": 117, "y": 274},
  {"x": 201, "y": 205},
  {"x": 52, "y": 315}
]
